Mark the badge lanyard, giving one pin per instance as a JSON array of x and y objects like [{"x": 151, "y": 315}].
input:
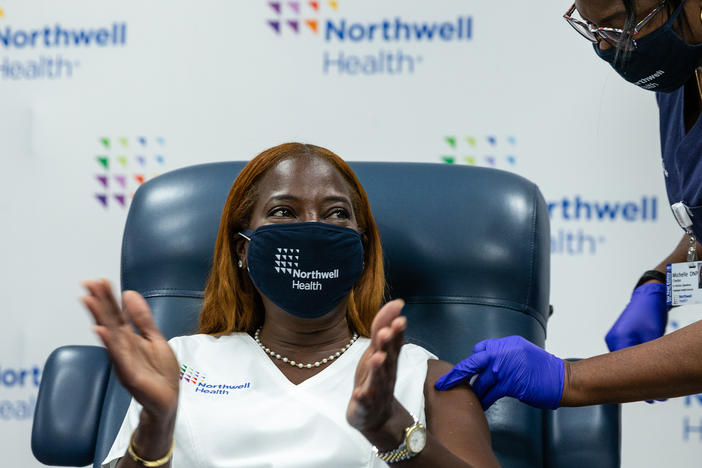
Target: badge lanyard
[{"x": 684, "y": 280}]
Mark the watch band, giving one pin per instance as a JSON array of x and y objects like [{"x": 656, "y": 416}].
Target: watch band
[
  {"x": 650, "y": 275},
  {"x": 399, "y": 454},
  {"x": 402, "y": 452}
]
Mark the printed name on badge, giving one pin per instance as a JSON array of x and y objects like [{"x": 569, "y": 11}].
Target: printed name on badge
[{"x": 684, "y": 283}]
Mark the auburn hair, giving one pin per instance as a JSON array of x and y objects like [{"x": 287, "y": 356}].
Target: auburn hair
[{"x": 231, "y": 302}]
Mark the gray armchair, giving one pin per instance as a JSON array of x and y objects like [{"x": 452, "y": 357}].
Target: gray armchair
[{"x": 466, "y": 247}]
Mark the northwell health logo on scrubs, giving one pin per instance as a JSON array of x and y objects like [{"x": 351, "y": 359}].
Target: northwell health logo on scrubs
[{"x": 197, "y": 378}]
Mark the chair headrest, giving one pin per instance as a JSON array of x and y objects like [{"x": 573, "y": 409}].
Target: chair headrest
[{"x": 450, "y": 233}]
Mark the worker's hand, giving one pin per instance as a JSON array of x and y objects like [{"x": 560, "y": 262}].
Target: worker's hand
[
  {"x": 510, "y": 366},
  {"x": 643, "y": 319},
  {"x": 144, "y": 362}
]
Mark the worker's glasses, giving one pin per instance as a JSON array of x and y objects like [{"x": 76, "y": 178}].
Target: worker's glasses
[{"x": 613, "y": 36}]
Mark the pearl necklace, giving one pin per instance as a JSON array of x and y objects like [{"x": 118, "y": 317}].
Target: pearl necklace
[{"x": 299, "y": 364}]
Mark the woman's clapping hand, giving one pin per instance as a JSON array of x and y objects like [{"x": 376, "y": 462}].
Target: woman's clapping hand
[
  {"x": 372, "y": 401},
  {"x": 144, "y": 362}
]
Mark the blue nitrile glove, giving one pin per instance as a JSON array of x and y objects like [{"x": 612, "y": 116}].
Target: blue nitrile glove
[
  {"x": 643, "y": 319},
  {"x": 510, "y": 366}
]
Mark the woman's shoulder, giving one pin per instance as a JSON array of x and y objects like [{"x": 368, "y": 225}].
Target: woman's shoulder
[
  {"x": 412, "y": 363},
  {"x": 414, "y": 352}
]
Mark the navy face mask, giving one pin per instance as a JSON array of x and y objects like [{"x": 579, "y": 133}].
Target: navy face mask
[
  {"x": 662, "y": 60},
  {"x": 306, "y": 269}
]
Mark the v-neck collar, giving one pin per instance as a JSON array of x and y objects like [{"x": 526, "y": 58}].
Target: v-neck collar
[
  {"x": 358, "y": 347},
  {"x": 694, "y": 128}
]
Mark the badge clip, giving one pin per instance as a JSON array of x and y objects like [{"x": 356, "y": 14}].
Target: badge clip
[{"x": 684, "y": 218}]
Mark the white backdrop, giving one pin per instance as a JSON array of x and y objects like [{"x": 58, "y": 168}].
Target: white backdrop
[{"x": 96, "y": 97}]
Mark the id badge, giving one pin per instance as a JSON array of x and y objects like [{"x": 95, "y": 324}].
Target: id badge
[{"x": 683, "y": 283}]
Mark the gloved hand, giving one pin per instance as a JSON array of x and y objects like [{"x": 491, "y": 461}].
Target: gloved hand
[
  {"x": 643, "y": 319},
  {"x": 510, "y": 366}
]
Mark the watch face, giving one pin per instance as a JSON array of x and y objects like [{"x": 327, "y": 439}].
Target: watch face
[{"x": 417, "y": 439}]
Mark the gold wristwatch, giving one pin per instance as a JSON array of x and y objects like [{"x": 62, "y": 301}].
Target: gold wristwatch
[{"x": 413, "y": 443}]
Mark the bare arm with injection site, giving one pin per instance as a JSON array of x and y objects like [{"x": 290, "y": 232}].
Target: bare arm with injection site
[{"x": 666, "y": 367}]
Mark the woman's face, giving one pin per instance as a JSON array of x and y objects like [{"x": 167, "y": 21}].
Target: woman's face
[
  {"x": 612, "y": 14},
  {"x": 298, "y": 190},
  {"x": 303, "y": 189}
]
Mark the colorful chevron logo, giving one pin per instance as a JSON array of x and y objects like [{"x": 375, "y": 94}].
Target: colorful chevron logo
[
  {"x": 486, "y": 151},
  {"x": 190, "y": 375},
  {"x": 298, "y": 16},
  {"x": 124, "y": 163}
]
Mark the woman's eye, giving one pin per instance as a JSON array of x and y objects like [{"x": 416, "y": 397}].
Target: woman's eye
[
  {"x": 339, "y": 213},
  {"x": 280, "y": 213}
]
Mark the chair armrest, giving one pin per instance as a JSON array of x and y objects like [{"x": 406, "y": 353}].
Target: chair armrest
[
  {"x": 68, "y": 406},
  {"x": 585, "y": 436}
]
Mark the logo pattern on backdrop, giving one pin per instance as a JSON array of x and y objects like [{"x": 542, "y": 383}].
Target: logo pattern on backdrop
[
  {"x": 298, "y": 16},
  {"x": 124, "y": 163},
  {"x": 487, "y": 151}
]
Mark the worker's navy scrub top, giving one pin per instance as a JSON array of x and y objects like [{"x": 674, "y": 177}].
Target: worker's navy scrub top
[{"x": 682, "y": 155}]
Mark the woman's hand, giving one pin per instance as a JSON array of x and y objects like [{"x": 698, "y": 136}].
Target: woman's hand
[
  {"x": 372, "y": 400},
  {"x": 144, "y": 363}
]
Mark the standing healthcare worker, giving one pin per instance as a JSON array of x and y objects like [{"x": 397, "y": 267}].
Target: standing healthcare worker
[{"x": 656, "y": 45}]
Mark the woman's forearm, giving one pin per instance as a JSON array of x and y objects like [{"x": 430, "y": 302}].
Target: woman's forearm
[{"x": 667, "y": 367}]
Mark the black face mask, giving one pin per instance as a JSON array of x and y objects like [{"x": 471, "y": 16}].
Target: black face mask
[
  {"x": 306, "y": 269},
  {"x": 662, "y": 60}
]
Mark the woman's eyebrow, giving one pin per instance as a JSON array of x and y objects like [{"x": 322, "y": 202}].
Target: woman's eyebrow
[
  {"x": 327, "y": 199},
  {"x": 283, "y": 197},
  {"x": 337, "y": 198}
]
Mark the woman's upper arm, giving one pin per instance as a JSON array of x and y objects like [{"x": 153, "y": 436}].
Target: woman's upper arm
[{"x": 456, "y": 419}]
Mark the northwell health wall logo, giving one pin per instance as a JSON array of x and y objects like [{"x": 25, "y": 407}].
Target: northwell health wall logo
[
  {"x": 573, "y": 218},
  {"x": 18, "y": 391},
  {"x": 329, "y": 21},
  {"x": 51, "y": 41}
]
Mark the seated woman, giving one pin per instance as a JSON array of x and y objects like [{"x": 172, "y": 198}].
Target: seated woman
[{"x": 294, "y": 365}]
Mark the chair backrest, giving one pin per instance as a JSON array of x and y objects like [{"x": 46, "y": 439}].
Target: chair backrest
[{"x": 466, "y": 247}]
